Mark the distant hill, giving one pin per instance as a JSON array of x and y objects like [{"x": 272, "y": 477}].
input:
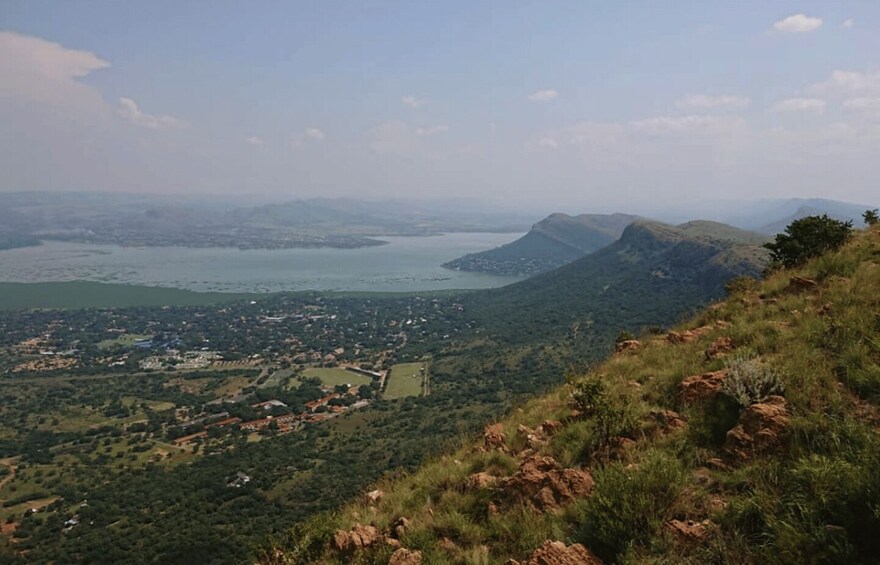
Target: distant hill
[
  {"x": 652, "y": 272},
  {"x": 837, "y": 210},
  {"x": 551, "y": 243}
]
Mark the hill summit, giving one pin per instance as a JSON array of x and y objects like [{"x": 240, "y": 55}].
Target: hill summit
[
  {"x": 554, "y": 241},
  {"x": 749, "y": 434}
]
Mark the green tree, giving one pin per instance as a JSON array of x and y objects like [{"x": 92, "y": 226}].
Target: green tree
[
  {"x": 871, "y": 217},
  {"x": 808, "y": 237}
]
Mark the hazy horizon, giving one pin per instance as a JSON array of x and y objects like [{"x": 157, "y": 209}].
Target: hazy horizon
[{"x": 574, "y": 106}]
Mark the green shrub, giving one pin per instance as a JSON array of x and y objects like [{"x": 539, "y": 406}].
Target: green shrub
[
  {"x": 871, "y": 217},
  {"x": 629, "y": 505},
  {"x": 749, "y": 381},
  {"x": 808, "y": 237}
]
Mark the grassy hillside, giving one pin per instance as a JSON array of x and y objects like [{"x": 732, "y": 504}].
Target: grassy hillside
[
  {"x": 82, "y": 294},
  {"x": 749, "y": 435},
  {"x": 552, "y": 242}
]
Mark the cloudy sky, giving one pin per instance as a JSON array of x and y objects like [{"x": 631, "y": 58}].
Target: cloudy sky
[{"x": 588, "y": 105}]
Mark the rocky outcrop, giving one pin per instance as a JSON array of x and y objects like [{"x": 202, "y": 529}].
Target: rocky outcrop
[
  {"x": 762, "y": 427},
  {"x": 687, "y": 336},
  {"x": 689, "y": 530},
  {"x": 480, "y": 480},
  {"x": 798, "y": 284},
  {"x": 627, "y": 345},
  {"x": 697, "y": 388},
  {"x": 545, "y": 486},
  {"x": 405, "y": 556},
  {"x": 720, "y": 347},
  {"x": 662, "y": 422},
  {"x": 359, "y": 537},
  {"x": 557, "y": 553},
  {"x": 493, "y": 437}
]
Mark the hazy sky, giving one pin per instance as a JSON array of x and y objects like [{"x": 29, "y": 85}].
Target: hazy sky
[{"x": 586, "y": 105}]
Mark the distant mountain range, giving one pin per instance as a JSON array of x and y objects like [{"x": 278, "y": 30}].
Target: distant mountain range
[
  {"x": 145, "y": 220},
  {"x": 551, "y": 243},
  {"x": 653, "y": 272}
]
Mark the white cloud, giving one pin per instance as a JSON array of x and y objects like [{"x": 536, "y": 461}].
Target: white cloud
[
  {"x": 413, "y": 101},
  {"x": 432, "y": 130},
  {"x": 254, "y": 140},
  {"x": 129, "y": 110},
  {"x": 691, "y": 125},
  {"x": 315, "y": 134},
  {"x": 866, "y": 106},
  {"x": 548, "y": 142},
  {"x": 543, "y": 95},
  {"x": 814, "y": 105},
  {"x": 704, "y": 101},
  {"x": 848, "y": 23},
  {"x": 849, "y": 82},
  {"x": 797, "y": 23}
]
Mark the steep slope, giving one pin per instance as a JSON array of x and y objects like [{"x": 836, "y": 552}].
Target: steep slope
[
  {"x": 654, "y": 272},
  {"x": 552, "y": 242},
  {"x": 751, "y": 435}
]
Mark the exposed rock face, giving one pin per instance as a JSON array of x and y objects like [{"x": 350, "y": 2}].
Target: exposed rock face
[
  {"x": 357, "y": 538},
  {"x": 690, "y": 531},
  {"x": 557, "y": 553},
  {"x": 761, "y": 427},
  {"x": 493, "y": 436},
  {"x": 546, "y": 486},
  {"x": 405, "y": 557},
  {"x": 720, "y": 347},
  {"x": 400, "y": 527},
  {"x": 697, "y": 388},
  {"x": 627, "y": 345}
]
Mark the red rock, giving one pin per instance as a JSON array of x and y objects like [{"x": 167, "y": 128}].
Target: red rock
[
  {"x": 701, "y": 387},
  {"x": 405, "y": 557},
  {"x": 493, "y": 436},
  {"x": 688, "y": 530},
  {"x": 557, "y": 553},
  {"x": 480, "y": 481},
  {"x": 761, "y": 427},
  {"x": 627, "y": 345},
  {"x": 801, "y": 283},
  {"x": 720, "y": 347},
  {"x": 357, "y": 538}
]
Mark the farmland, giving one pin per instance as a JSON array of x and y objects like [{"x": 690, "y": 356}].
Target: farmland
[{"x": 405, "y": 379}]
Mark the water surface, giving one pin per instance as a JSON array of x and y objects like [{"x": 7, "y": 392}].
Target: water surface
[{"x": 404, "y": 264}]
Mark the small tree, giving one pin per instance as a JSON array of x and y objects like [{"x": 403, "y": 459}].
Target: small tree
[
  {"x": 808, "y": 237},
  {"x": 871, "y": 217}
]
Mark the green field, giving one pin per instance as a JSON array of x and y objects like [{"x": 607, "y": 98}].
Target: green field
[
  {"x": 333, "y": 376},
  {"x": 405, "y": 379},
  {"x": 125, "y": 340},
  {"x": 82, "y": 294}
]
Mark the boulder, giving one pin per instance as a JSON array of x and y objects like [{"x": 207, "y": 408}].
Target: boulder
[
  {"x": 667, "y": 421},
  {"x": 687, "y": 336},
  {"x": 374, "y": 496},
  {"x": 627, "y": 345},
  {"x": 801, "y": 283},
  {"x": 689, "y": 530},
  {"x": 357, "y": 538},
  {"x": 400, "y": 527},
  {"x": 697, "y": 388},
  {"x": 720, "y": 347},
  {"x": 493, "y": 436},
  {"x": 761, "y": 427},
  {"x": 545, "y": 486},
  {"x": 557, "y": 553},
  {"x": 479, "y": 481},
  {"x": 405, "y": 556}
]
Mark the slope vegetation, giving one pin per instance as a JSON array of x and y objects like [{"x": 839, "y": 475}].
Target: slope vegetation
[
  {"x": 552, "y": 242},
  {"x": 749, "y": 435},
  {"x": 653, "y": 273}
]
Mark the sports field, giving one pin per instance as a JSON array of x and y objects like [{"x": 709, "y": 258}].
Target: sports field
[{"x": 405, "y": 379}]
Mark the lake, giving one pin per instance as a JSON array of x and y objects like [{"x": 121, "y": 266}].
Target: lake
[{"x": 404, "y": 264}]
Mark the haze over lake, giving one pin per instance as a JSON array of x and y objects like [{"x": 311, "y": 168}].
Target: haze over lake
[{"x": 404, "y": 264}]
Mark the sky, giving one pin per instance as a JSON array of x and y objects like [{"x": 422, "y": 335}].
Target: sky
[{"x": 577, "y": 106}]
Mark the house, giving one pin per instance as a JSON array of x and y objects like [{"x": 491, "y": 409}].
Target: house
[{"x": 239, "y": 480}]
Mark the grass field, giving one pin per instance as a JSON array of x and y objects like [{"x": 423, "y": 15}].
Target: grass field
[
  {"x": 82, "y": 294},
  {"x": 405, "y": 379},
  {"x": 333, "y": 376},
  {"x": 125, "y": 340}
]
